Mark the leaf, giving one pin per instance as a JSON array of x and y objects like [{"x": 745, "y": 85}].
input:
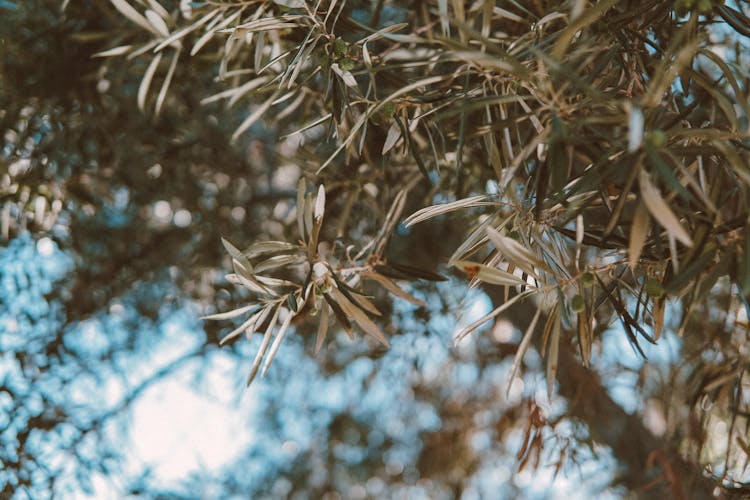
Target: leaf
[
  {"x": 584, "y": 337},
  {"x": 413, "y": 149},
  {"x": 393, "y": 288},
  {"x": 255, "y": 115},
  {"x": 301, "y": 190},
  {"x": 366, "y": 304},
  {"x": 279, "y": 261},
  {"x": 303, "y": 55},
  {"x": 476, "y": 238},
  {"x": 522, "y": 348},
  {"x": 387, "y": 270},
  {"x": 231, "y": 249},
  {"x": 146, "y": 81},
  {"x": 320, "y": 203},
  {"x": 394, "y": 134},
  {"x": 165, "y": 85},
  {"x": 516, "y": 254},
  {"x": 444, "y": 19},
  {"x": 279, "y": 338},
  {"x": 345, "y": 76},
  {"x": 391, "y": 219},
  {"x": 366, "y": 56},
  {"x": 235, "y": 253},
  {"x": 203, "y": 40},
  {"x": 355, "y": 128},
  {"x": 291, "y": 4},
  {"x": 678, "y": 282},
  {"x": 638, "y": 234},
  {"x": 488, "y": 274},
  {"x": 115, "y": 51},
  {"x": 417, "y": 272},
  {"x": 435, "y": 210},
  {"x": 249, "y": 280},
  {"x": 505, "y": 305},
  {"x": 229, "y": 314},
  {"x": 157, "y": 22},
  {"x": 322, "y": 328},
  {"x": 159, "y": 9},
  {"x": 269, "y": 24},
  {"x": 680, "y": 55},
  {"x": 736, "y": 19},
  {"x": 275, "y": 282},
  {"x": 554, "y": 349},
  {"x": 340, "y": 316},
  {"x": 133, "y": 15},
  {"x": 353, "y": 295},
  {"x": 658, "y": 315},
  {"x": 359, "y": 316},
  {"x": 589, "y": 16},
  {"x": 253, "y": 320},
  {"x": 266, "y": 247},
  {"x": 554, "y": 312},
  {"x": 263, "y": 345},
  {"x": 181, "y": 33},
  {"x": 291, "y": 302},
  {"x": 579, "y": 237},
  {"x": 236, "y": 93},
  {"x": 660, "y": 209},
  {"x": 625, "y": 318}
]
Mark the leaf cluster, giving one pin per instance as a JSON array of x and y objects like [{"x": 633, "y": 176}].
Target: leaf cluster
[{"x": 597, "y": 151}]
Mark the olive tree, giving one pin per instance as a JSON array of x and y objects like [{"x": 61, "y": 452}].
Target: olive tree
[{"x": 584, "y": 163}]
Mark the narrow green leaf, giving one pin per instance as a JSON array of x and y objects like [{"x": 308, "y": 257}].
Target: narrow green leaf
[
  {"x": 230, "y": 314},
  {"x": 322, "y": 328},
  {"x": 638, "y": 233},
  {"x": 146, "y": 81},
  {"x": 660, "y": 209},
  {"x": 522, "y": 348},
  {"x": 263, "y": 345}
]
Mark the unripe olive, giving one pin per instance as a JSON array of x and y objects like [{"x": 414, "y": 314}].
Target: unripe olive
[
  {"x": 388, "y": 109},
  {"x": 587, "y": 279},
  {"x": 654, "y": 288},
  {"x": 703, "y": 7},
  {"x": 577, "y": 303},
  {"x": 658, "y": 138}
]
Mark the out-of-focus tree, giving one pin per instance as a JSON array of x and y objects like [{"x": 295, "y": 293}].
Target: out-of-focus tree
[{"x": 584, "y": 164}]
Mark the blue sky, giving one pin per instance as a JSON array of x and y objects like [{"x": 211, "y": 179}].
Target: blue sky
[{"x": 199, "y": 418}]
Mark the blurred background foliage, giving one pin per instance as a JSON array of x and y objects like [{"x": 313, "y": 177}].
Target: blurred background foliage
[{"x": 111, "y": 220}]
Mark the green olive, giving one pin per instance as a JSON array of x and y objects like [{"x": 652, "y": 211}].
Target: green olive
[
  {"x": 587, "y": 279},
  {"x": 703, "y": 7},
  {"x": 388, "y": 109},
  {"x": 658, "y": 139},
  {"x": 654, "y": 288},
  {"x": 577, "y": 303}
]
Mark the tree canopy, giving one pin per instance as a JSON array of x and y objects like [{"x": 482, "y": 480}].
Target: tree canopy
[{"x": 583, "y": 166}]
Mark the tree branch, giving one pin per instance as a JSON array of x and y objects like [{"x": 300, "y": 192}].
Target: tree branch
[{"x": 639, "y": 451}]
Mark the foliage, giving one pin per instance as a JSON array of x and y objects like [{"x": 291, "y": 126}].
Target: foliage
[
  {"x": 594, "y": 154},
  {"x": 614, "y": 139}
]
